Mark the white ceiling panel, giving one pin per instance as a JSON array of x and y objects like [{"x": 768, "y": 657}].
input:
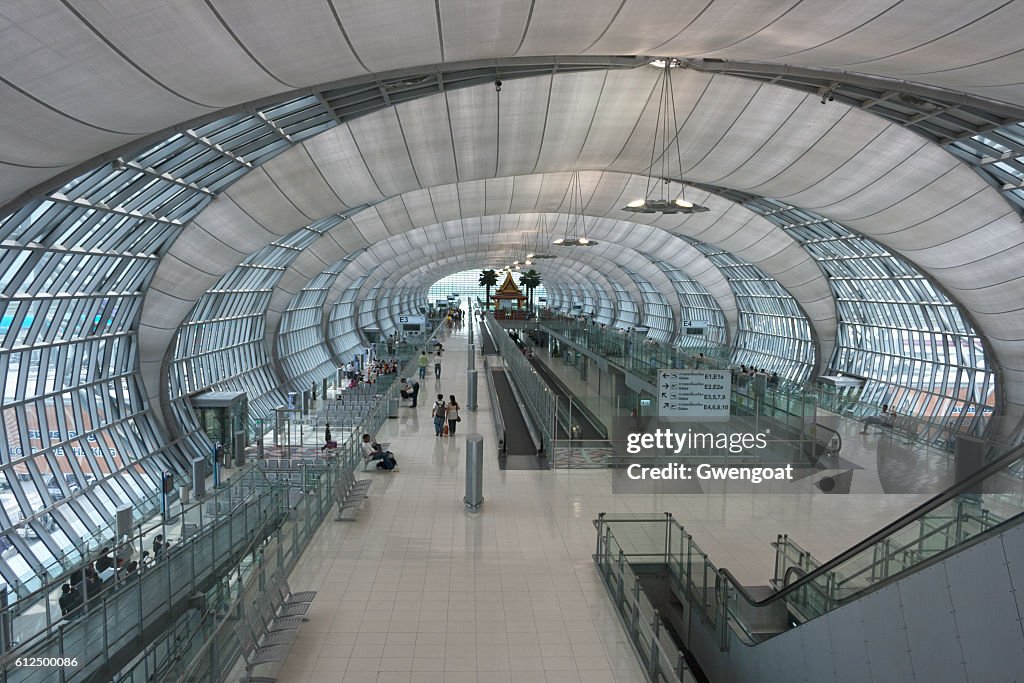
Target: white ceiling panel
[
  {"x": 572, "y": 100},
  {"x": 428, "y": 136},
  {"x": 298, "y": 178},
  {"x": 340, "y": 162},
  {"x": 265, "y": 202},
  {"x": 300, "y": 41},
  {"x": 522, "y": 122},
  {"x": 389, "y": 34},
  {"x": 478, "y": 30},
  {"x": 419, "y": 206},
  {"x": 473, "y": 113},
  {"x": 381, "y": 142},
  {"x": 179, "y": 44},
  {"x": 567, "y": 28}
]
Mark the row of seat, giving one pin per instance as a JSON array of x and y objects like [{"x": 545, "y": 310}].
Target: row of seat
[
  {"x": 350, "y": 493},
  {"x": 291, "y": 464},
  {"x": 265, "y": 631}
]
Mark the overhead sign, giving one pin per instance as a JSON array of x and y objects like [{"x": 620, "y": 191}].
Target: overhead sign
[
  {"x": 694, "y": 394},
  {"x": 694, "y": 327}
]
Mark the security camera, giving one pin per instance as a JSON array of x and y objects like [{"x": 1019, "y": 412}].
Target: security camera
[{"x": 497, "y": 85}]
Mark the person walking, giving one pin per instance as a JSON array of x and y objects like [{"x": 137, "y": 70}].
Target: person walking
[
  {"x": 437, "y": 365},
  {"x": 422, "y": 362},
  {"x": 438, "y": 413},
  {"x": 452, "y": 414}
]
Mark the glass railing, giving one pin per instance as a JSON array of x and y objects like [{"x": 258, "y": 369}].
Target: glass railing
[
  {"x": 633, "y": 353},
  {"x": 129, "y": 607},
  {"x": 38, "y": 612},
  {"x": 538, "y": 399},
  {"x": 209, "y": 650},
  {"x": 980, "y": 504},
  {"x": 652, "y": 642}
]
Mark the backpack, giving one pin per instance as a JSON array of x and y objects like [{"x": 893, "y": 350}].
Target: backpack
[{"x": 438, "y": 409}]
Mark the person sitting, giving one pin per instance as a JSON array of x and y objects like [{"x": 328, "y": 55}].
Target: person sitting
[
  {"x": 405, "y": 389},
  {"x": 105, "y": 561},
  {"x": 882, "y": 419},
  {"x": 374, "y": 451}
]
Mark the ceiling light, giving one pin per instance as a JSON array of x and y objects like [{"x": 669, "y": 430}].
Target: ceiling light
[
  {"x": 665, "y": 206},
  {"x": 575, "y": 221},
  {"x": 664, "y": 145}
]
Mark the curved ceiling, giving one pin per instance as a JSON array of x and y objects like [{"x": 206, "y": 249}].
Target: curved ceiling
[
  {"x": 169, "y": 61},
  {"x": 471, "y": 153},
  {"x": 468, "y": 153}
]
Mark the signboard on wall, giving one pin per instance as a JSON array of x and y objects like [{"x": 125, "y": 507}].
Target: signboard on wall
[
  {"x": 694, "y": 327},
  {"x": 694, "y": 394},
  {"x": 412, "y": 323}
]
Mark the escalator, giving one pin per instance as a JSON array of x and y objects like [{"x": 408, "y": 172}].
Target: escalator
[
  {"x": 930, "y": 596},
  {"x": 487, "y": 346},
  {"x": 520, "y": 450}
]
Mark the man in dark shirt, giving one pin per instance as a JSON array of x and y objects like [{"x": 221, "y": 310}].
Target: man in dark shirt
[
  {"x": 68, "y": 600},
  {"x": 415, "y": 392},
  {"x": 105, "y": 561}
]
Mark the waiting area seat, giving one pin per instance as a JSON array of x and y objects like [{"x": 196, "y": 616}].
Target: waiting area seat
[{"x": 270, "y": 626}]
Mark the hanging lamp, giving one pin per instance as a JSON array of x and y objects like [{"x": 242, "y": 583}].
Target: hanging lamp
[{"x": 659, "y": 197}]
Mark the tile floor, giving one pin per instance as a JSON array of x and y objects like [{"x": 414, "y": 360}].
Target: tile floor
[{"x": 418, "y": 589}]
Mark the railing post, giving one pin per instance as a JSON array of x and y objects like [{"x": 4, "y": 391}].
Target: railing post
[
  {"x": 668, "y": 537},
  {"x": 723, "y": 619},
  {"x": 636, "y": 609},
  {"x": 620, "y": 590},
  {"x": 600, "y": 533},
  {"x": 106, "y": 638},
  {"x": 652, "y": 663}
]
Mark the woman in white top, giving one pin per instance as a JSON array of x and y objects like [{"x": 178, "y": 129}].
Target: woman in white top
[{"x": 451, "y": 413}]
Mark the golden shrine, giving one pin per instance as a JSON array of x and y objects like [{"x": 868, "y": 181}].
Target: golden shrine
[{"x": 508, "y": 294}]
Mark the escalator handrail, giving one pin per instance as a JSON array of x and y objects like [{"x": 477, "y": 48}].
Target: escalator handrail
[
  {"x": 946, "y": 496},
  {"x": 837, "y": 435}
]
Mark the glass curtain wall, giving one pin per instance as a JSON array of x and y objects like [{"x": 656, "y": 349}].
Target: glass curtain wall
[
  {"x": 772, "y": 332},
  {"x": 696, "y": 305},
  {"x": 896, "y": 329},
  {"x": 80, "y": 436}
]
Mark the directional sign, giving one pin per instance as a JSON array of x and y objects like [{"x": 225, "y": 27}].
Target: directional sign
[{"x": 695, "y": 394}]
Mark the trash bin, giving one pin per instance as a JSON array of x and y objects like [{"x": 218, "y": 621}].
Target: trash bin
[{"x": 393, "y": 408}]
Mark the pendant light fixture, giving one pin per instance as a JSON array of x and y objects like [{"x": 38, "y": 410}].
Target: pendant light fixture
[
  {"x": 538, "y": 251},
  {"x": 659, "y": 197},
  {"x": 575, "y": 223}
]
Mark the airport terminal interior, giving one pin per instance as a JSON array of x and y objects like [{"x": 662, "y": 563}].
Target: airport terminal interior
[{"x": 339, "y": 339}]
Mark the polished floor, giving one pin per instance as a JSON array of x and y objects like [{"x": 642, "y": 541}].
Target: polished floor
[{"x": 418, "y": 589}]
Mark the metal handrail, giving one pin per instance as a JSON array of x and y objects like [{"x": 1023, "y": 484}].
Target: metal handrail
[
  {"x": 101, "y": 600},
  {"x": 965, "y": 486},
  {"x": 44, "y": 593},
  {"x": 492, "y": 394}
]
